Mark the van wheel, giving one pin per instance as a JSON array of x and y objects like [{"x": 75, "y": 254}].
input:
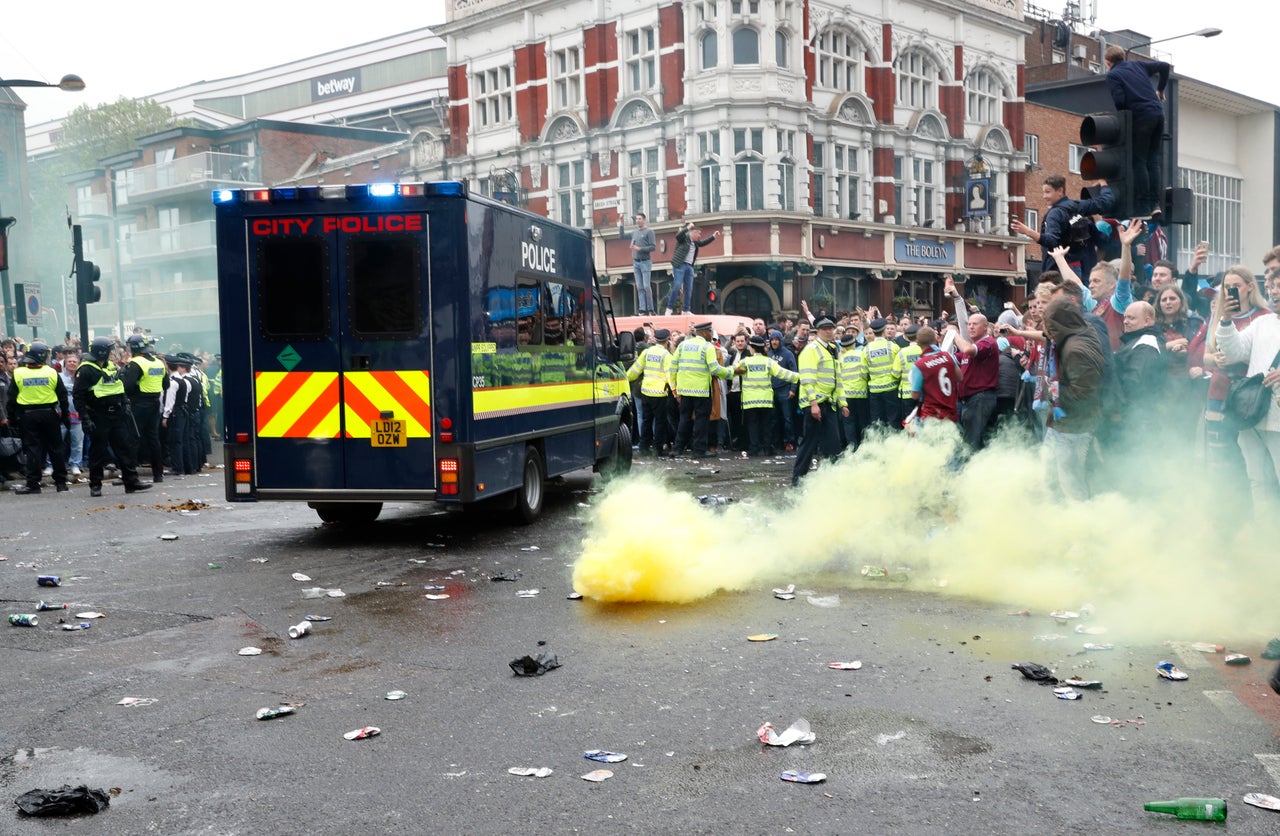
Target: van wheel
[
  {"x": 529, "y": 494},
  {"x": 619, "y": 462},
  {"x": 347, "y": 512}
]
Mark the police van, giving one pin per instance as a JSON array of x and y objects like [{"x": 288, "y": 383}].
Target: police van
[{"x": 411, "y": 343}]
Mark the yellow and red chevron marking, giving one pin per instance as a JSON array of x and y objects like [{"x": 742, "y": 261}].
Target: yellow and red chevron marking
[
  {"x": 405, "y": 394},
  {"x": 501, "y": 401},
  {"x": 296, "y": 404}
]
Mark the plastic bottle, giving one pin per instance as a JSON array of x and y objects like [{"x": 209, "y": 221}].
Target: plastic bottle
[{"x": 1200, "y": 809}]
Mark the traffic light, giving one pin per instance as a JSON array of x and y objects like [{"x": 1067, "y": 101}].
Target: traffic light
[
  {"x": 713, "y": 300},
  {"x": 1111, "y": 157},
  {"x": 87, "y": 273}
]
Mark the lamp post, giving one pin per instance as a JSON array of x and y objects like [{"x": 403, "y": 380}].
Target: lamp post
[
  {"x": 70, "y": 83},
  {"x": 1207, "y": 32}
]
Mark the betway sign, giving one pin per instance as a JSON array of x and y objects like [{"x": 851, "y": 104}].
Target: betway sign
[{"x": 332, "y": 86}]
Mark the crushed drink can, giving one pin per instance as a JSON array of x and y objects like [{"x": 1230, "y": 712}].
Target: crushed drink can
[
  {"x": 48, "y": 580},
  {"x": 272, "y": 713},
  {"x": 23, "y": 619},
  {"x": 45, "y": 606},
  {"x": 83, "y": 625}
]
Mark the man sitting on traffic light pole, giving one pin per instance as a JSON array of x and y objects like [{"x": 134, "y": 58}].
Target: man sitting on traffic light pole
[
  {"x": 1059, "y": 229},
  {"x": 1130, "y": 84}
]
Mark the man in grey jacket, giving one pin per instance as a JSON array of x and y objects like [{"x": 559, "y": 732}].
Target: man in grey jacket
[{"x": 642, "y": 245}]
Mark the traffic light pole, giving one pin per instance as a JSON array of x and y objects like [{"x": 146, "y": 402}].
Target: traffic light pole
[{"x": 77, "y": 247}]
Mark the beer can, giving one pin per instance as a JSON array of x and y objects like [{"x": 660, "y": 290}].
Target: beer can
[
  {"x": 300, "y": 629},
  {"x": 48, "y": 580},
  {"x": 23, "y": 619},
  {"x": 45, "y": 606}
]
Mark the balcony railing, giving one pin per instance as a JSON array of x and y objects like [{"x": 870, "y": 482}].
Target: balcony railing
[
  {"x": 198, "y": 172},
  {"x": 182, "y": 240},
  {"x": 91, "y": 207},
  {"x": 196, "y": 298}
]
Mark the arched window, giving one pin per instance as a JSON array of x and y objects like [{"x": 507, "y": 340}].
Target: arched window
[
  {"x": 918, "y": 79},
  {"x": 984, "y": 95},
  {"x": 781, "y": 49},
  {"x": 746, "y": 46},
  {"x": 710, "y": 49},
  {"x": 840, "y": 61}
]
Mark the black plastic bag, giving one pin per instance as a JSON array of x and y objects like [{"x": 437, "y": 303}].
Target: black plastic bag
[
  {"x": 1035, "y": 671},
  {"x": 535, "y": 665},
  {"x": 64, "y": 801}
]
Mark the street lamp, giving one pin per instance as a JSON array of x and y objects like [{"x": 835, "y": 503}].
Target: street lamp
[
  {"x": 1207, "y": 32},
  {"x": 70, "y": 83}
]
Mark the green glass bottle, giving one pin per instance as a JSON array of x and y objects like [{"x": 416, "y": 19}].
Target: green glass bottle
[{"x": 1200, "y": 809}]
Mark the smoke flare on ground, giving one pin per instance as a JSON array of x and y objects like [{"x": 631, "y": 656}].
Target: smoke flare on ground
[{"x": 1165, "y": 557}]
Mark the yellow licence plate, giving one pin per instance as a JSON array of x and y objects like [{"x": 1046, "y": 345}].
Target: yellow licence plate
[{"x": 387, "y": 434}]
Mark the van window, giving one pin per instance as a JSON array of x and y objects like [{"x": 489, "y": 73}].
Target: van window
[
  {"x": 293, "y": 288},
  {"x": 383, "y": 286}
]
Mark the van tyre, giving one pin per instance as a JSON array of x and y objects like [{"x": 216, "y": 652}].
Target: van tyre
[
  {"x": 619, "y": 461},
  {"x": 348, "y": 513},
  {"x": 532, "y": 487}
]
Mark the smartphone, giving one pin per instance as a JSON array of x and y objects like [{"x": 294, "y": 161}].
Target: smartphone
[
  {"x": 1008, "y": 306},
  {"x": 1234, "y": 293}
]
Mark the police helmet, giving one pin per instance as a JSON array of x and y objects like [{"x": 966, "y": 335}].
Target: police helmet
[
  {"x": 100, "y": 349},
  {"x": 38, "y": 352},
  {"x": 139, "y": 344}
]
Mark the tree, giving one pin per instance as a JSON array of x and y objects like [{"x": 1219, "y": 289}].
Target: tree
[
  {"x": 91, "y": 133},
  {"x": 88, "y": 134}
]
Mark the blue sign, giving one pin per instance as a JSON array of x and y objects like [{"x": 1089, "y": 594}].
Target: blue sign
[{"x": 922, "y": 251}]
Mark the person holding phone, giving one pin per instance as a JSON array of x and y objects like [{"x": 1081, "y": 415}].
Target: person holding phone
[{"x": 1241, "y": 302}]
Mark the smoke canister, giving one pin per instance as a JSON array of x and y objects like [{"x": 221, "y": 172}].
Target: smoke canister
[
  {"x": 48, "y": 580},
  {"x": 300, "y": 629},
  {"x": 45, "y": 606},
  {"x": 23, "y": 619}
]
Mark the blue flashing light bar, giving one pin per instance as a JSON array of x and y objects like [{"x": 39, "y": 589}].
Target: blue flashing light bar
[{"x": 282, "y": 194}]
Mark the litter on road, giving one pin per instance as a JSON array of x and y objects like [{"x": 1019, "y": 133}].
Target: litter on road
[
  {"x": 527, "y": 593},
  {"x": 1237, "y": 659},
  {"x": 844, "y": 666},
  {"x": 598, "y": 775},
  {"x": 795, "y": 776},
  {"x": 396, "y": 695},
  {"x": 362, "y": 733},
  {"x": 506, "y": 576},
  {"x": 530, "y": 771},
  {"x": 1260, "y": 799},
  {"x": 534, "y": 665},
  {"x": 1067, "y": 693},
  {"x": 1168, "y": 670},
  {"x": 762, "y": 637},
  {"x": 1035, "y": 671},
  {"x": 250, "y": 651},
  {"x": 278, "y": 711},
  {"x": 131, "y": 702},
  {"x": 298, "y": 576},
  {"x": 91, "y": 615},
  {"x": 319, "y": 618},
  {"x": 436, "y": 596},
  {"x": 64, "y": 801},
  {"x": 603, "y": 756},
  {"x": 797, "y": 732}
]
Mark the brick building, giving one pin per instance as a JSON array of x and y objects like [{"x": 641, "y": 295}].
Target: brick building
[{"x": 836, "y": 147}]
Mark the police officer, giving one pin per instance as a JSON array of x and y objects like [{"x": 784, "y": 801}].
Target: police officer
[
  {"x": 853, "y": 379},
  {"x": 760, "y": 370},
  {"x": 904, "y": 362},
  {"x": 106, "y": 418},
  {"x": 821, "y": 399},
  {"x": 881, "y": 356},
  {"x": 653, "y": 368},
  {"x": 38, "y": 400},
  {"x": 197, "y": 436},
  {"x": 694, "y": 364},
  {"x": 144, "y": 378},
  {"x": 173, "y": 416}
]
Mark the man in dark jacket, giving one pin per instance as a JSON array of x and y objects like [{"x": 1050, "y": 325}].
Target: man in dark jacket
[
  {"x": 782, "y": 434},
  {"x": 1076, "y": 395},
  {"x": 687, "y": 245},
  {"x": 1130, "y": 85},
  {"x": 1056, "y": 226},
  {"x": 1141, "y": 364}
]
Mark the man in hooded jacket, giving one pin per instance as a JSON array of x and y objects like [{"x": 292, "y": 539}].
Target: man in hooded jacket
[{"x": 1076, "y": 370}]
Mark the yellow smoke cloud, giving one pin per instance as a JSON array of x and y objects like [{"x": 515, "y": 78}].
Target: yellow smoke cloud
[{"x": 1163, "y": 560}]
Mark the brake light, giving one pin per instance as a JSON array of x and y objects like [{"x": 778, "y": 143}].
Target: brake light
[
  {"x": 242, "y": 438},
  {"x": 257, "y": 195},
  {"x": 243, "y": 475},
  {"x": 446, "y": 430},
  {"x": 448, "y": 477}
]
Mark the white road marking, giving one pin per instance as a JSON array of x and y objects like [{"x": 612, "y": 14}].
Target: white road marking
[
  {"x": 1231, "y": 707},
  {"x": 1271, "y": 763}
]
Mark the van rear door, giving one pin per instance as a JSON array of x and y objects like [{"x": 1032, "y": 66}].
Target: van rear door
[{"x": 341, "y": 353}]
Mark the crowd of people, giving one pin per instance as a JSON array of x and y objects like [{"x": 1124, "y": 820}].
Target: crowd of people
[
  {"x": 1100, "y": 368},
  {"x": 110, "y": 411}
]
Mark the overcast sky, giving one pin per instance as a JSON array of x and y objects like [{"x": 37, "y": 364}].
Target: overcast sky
[{"x": 134, "y": 49}]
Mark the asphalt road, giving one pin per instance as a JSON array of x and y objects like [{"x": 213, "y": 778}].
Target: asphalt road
[{"x": 935, "y": 733}]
